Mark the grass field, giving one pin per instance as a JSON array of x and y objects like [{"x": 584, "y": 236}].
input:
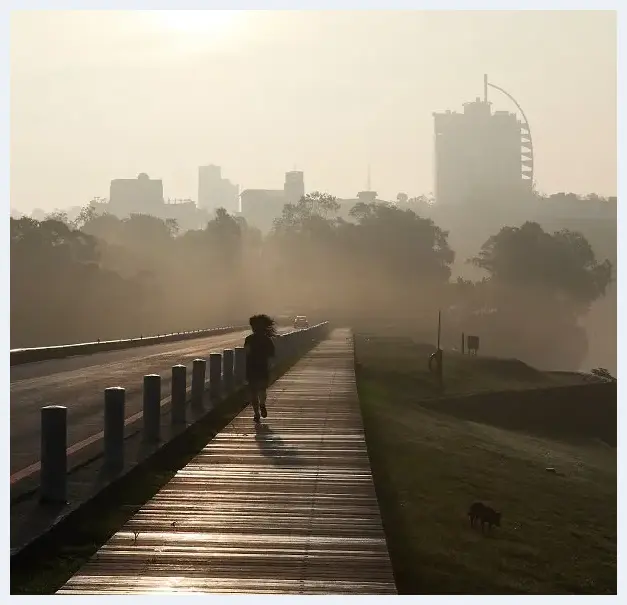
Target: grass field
[{"x": 558, "y": 531}]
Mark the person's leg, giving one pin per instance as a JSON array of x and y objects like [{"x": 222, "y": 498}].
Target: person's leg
[
  {"x": 254, "y": 400},
  {"x": 263, "y": 394}
]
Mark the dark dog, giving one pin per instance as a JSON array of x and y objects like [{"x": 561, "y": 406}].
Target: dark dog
[{"x": 480, "y": 512}]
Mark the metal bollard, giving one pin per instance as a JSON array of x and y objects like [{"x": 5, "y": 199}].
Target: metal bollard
[
  {"x": 227, "y": 369},
  {"x": 114, "y": 427},
  {"x": 179, "y": 387},
  {"x": 240, "y": 365},
  {"x": 215, "y": 376},
  {"x": 199, "y": 370},
  {"x": 152, "y": 407},
  {"x": 53, "y": 473}
]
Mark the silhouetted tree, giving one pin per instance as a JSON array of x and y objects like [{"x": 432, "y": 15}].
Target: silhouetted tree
[
  {"x": 377, "y": 261},
  {"x": 107, "y": 277},
  {"x": 603, "y": 373},
  {"x": 310, "y": 207},
  {"x": 561, "y": 263},
  {"x": 85, "y": 215},
  {"x": 539, "y": 286},
  {"x": 402, "y": 242},
  {"x": 58, "y": 215},
  {"x": 59, "y": 293}
]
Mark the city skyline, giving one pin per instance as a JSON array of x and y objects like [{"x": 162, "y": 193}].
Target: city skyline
[{"x": 331, "y": 106}]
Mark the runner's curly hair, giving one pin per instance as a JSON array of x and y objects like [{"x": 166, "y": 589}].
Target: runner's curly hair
[{"x": 263, "y": 324}]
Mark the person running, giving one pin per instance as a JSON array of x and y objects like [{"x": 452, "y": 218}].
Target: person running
[{"x": 259, "y": 350}]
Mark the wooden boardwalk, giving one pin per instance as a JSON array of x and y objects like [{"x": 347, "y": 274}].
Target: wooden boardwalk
[{"x": 288, "y": 507}]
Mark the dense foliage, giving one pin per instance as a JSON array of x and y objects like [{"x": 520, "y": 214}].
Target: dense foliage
[{"x": 105, "y": 277}]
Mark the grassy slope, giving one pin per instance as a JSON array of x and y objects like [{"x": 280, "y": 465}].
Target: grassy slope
[
  {"x": 559, "y": 530},
  {"x": 406, "y": 361}
]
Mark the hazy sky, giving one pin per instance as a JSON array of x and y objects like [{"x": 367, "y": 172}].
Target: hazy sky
[{"x": 97, "y": 95}]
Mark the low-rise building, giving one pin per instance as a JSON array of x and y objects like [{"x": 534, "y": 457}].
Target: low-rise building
[
  {"x": 260, "y": 207},
  {"x": 144, "y": 195}
]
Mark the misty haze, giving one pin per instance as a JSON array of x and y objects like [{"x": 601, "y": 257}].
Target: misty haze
[
  {"x": 382, "y": 171},
  {"x": 157, "y": 97}
]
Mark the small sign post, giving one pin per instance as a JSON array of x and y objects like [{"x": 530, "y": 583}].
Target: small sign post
[{"x": 473, "y": 345}]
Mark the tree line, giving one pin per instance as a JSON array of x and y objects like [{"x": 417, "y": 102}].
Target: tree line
[{"x": 102, "y": 277}]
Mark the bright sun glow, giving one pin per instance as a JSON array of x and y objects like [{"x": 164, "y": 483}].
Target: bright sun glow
[{"x": 210, "y": 24}]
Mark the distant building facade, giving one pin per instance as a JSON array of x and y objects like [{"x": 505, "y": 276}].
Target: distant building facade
[
  {"x": 260, "y": 207},
  {"x": 294, "y": 186},
  {"x": 144, "y": 195},
  {"x": 135, "y": 196},
  {"x": 216, "y": 192},
  {"x": 480, "y": 155},
  {"x": 347, "y": 204}
]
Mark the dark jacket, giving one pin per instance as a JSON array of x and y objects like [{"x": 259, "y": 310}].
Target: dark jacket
[{"x": 259, "y": 351}]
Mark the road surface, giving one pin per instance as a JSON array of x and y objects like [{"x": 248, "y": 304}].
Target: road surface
[{"x": 79, "y": 383}]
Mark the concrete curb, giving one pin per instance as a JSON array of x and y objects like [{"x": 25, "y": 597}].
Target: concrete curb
[{"x": 22, "y": 356}]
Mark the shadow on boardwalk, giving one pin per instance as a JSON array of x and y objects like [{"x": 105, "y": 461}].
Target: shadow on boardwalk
[{"x": 273, "y": 447}]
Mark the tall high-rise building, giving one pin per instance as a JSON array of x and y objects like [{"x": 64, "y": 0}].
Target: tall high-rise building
[
  {"x": 216, "y": 192},
  {"x": 480, "y": 156},
  {"x": 294, "y": 186}
]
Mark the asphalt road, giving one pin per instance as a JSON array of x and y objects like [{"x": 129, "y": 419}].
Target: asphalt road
[{"x": 79, "y": 383}]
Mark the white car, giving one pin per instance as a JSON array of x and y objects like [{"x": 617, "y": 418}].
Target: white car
[{"x": 300, "y": 322}]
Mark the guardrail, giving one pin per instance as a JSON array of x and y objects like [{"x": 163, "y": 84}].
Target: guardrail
[
  {"x": 227, "y": 371},
  {"x": 22, "y": 356}
]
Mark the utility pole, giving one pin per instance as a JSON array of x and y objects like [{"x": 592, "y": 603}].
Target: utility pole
[
  {"x": 437, "y": 358},
  {"x": 440, "y": 354},
  {"x": 439, "y": 326}
]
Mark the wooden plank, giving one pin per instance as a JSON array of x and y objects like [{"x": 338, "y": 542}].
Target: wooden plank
[{"x": 287, "y": 507}]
